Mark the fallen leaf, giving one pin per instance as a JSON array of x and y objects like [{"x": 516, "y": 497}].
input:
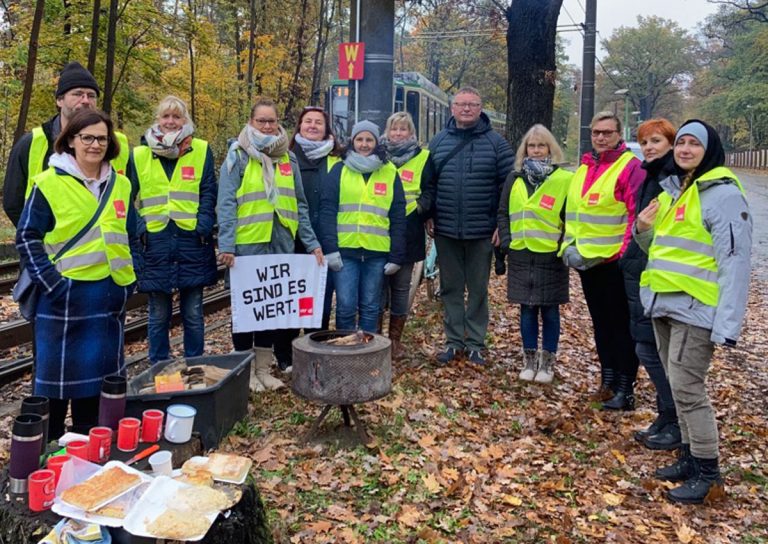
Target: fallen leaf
[
  {"x": 431, "y": 483},
  {"x": 685, "y": 534},
  {"x": 611, "y": 499}
]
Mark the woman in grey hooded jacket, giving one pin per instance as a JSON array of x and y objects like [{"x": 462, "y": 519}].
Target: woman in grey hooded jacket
[{"x": 698, "y": 235}]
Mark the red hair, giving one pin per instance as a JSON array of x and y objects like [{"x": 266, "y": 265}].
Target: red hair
[{"x": 662, "y": 126}]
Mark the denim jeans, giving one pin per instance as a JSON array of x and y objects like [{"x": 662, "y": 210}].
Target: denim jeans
[
  {"x": 160, "y": 306},
  {"x": 649, "y": 357},
  {"x": 358, "y": 293},
  {"x": 395, "y": 292},
  {"x": 550, "y": 326}
]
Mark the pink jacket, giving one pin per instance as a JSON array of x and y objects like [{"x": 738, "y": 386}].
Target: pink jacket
[{"x": 630, "y": 179}]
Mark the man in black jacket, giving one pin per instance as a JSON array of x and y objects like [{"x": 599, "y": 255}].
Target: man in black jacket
[
  {"x": 77, "y": 89},
  {"x": 472, "y": 162}
]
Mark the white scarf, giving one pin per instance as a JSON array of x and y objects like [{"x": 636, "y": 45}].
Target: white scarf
[
  {"x": 314, "y": 149},
  {"x": 167, "y": 145},
  {"x": 67, "y": 162}
]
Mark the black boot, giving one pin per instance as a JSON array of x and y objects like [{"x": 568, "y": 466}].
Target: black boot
[
  {"x": 680, "y": 470},
  {"x": 657, "y": 425},
  {"x": 606, "y": 390},
  {"x": 706, "y": 483},
  {"x": 668, "y": 438},
  {"x": 624, "y": 399}
]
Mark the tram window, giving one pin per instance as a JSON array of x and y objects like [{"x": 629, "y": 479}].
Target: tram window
[
  {"x": 399, "y": 106},
  {"x": 412, "y": 106}
]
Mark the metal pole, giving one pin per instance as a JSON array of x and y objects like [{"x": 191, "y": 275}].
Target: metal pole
[
  {"x": 588, "y": 76},
  {"x": 357, "y": 81},
  {"x": 751, "y": 124},
  {"x": 626, "y": 117}
]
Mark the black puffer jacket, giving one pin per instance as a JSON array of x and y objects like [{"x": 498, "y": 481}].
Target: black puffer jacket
[
  {"x": 468, "y": 188},
  {"x": 633, "y": 261}
]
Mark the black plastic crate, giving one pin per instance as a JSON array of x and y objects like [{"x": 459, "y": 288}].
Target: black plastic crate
[{"x": 218, "y": 407}]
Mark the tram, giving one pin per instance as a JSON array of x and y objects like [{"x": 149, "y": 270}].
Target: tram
[{"x": 426, "y": 102}]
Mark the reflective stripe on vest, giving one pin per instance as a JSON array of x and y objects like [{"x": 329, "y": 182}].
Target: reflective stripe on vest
[
  {"x": 363, "y": 218},
  {"x": 534, "y": 222},
  {"x": 681, "y": 257},
  {"x": 39, "y": 147},
  {"x": 410, "y": 176},
  {"x": 103, "y": 251},
  {"x": 596, "y": 222},
  {"x": 161, "y": 199},
  {"x": 255, "y": 213}
]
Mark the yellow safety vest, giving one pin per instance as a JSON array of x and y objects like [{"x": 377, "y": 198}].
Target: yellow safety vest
[
  {"x": 534, "y": 222},
  {"x": 331, "y": 160},
  {"x": 161, "y": 199},
  {"x": 682, "y": 256},
  {"x": 39, "y": 147},
  {"x": 255, "y": 213},
  {"x": 101, "y": 252},
  {"x": 596, "y": 222},
  {"x": 410, "y": 175},
  {"x": 363, "y": 218}
]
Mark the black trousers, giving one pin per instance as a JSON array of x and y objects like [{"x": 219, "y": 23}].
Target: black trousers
[
  {"x": 85, "y": 414},
  {"x": 603, "y": 288},
  {"x": 279, "y": 340}
]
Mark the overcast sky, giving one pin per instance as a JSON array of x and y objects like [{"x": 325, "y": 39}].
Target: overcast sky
[{"x": 612, "y": 14}]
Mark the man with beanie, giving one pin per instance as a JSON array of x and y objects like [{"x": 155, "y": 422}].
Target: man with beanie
[
  {"x": 77, "y": 89},
  {"x": 471, "y": 164}
]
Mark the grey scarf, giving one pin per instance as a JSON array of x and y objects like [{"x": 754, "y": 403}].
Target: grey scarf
[
  {"x": 364, "y": 165},
  {"x": 167, "y": 145},
  {"x": 537, "y": 170},
  {"x": 265, "y": 148},
  {"x": 313, "y": 149},
  {"x": 401, "y": 152}
]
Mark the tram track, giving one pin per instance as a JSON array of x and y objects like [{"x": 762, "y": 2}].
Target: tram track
[{"x": 135, "y": 331}]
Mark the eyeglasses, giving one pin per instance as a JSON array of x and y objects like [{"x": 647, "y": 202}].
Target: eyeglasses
[
  {"x": 265, "y": 122},
  {"x": 465, "y": 105},
  {"x": 80, "y": 94},
  {"x": 89, "y": 139},
  {"x": 606, "y": 133}
]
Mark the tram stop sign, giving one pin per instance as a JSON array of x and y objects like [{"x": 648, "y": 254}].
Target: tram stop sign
[{"x": 351, "y": 60}]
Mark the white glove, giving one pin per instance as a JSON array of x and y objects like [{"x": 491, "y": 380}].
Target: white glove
[
  {"x": 334, "y": 261},
  {"x": 391, "y": 268}
]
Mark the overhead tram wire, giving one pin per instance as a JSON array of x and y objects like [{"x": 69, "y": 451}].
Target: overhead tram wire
[
  {"x": 568, "y": 13},
  {"x": 449, "y": 34}
]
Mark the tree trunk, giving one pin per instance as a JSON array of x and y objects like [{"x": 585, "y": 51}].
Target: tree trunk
[
  {"x": 94, "y": 36},
  {"x": 239, "y": 61},
  {"x": 324, "y": 21},
  {"x": 251, "y": 48},
  {"x": 31, "y": 64},
  {"x": 531, "y": 63},
  {"x": 190, "y": 47},
  {"x": 298, "y": 62},
  {"x": 109, "y": 67}
]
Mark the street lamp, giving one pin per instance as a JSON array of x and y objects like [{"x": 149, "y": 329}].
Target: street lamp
[
  {"x": 623, "y": 92},
  {"x": 637, "y": 123}
]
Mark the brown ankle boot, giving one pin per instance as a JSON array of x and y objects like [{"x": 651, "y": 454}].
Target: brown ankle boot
[{"x": 396, "y": 324}]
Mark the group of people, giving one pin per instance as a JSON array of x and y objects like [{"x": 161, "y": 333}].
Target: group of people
[{"x": 662, "y": 247}]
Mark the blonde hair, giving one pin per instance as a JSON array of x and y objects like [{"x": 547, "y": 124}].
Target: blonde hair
[
  {"x": 400, "y": 118},
  {"x": 604, "y": 115},
  {"x": 174, "y": 103},
  {"x": 547, "y": 137}
]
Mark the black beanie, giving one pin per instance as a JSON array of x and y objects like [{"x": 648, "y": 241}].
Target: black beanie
[{"x": 73, "y": 75}]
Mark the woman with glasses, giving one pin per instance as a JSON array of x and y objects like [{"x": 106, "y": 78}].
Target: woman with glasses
[
  {"x": 74, "y": 240},
  {"x": 531, "y": 214},
  {"x": 262, "y": 210},
  {"x": 173, "y": 174},
  {"x": 362, "y": 228},
  {"x": 599, "y": 213},
  {"x": 698, "y": 235},
  {"x": 415, "y": 168}
]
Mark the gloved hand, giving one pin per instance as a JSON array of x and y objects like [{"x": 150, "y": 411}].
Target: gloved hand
[
  {"x": 391, "y": 268},
  {"x": 334, "y": 261},
  {"x": 574, "y": 259}
]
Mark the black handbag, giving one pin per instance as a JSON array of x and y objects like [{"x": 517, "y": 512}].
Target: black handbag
[{"x": 26, "y": 291}]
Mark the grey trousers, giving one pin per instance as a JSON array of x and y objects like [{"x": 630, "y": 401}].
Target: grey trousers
[
  {"x": 465, "y": 266},
  {"x": 686, "y": 353}
]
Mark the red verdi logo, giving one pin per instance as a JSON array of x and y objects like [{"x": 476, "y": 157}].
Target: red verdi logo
[
  {"x": 306, "y": 306},
  {"x": 680, "y": 213},
  {"x": 594, "y": 198},
  {"x": 380, "y": 188},
  {"x": 119, "y": 209},
  {"x": 407, "y": 175},
  {"x": 547, "y": 202},
  {"x": 188, "y": 173},
  {"x": 285, "y": 168}
]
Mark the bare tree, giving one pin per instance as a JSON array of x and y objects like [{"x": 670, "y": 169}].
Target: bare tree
[
  {"x": 31, "y": 64},
  {"x": 109, "y": 68},
  {"x": 94, "y": 36},
  {"x": 192, "y": 23}
]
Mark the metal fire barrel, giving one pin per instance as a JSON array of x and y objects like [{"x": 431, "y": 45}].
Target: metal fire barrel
[{"x": 341, "y": 375}]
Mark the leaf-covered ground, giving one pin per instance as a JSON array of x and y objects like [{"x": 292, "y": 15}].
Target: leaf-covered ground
[{"x": 462, "y": 454}]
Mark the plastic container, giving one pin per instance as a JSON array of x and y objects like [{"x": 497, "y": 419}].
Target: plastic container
[{"x": 218, "y": 407}]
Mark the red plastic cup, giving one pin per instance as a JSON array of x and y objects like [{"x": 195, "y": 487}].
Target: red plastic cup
[
  {"x": 56, "y": 464},
  {"x": 128, "y": 434},
  {"x": 78, "y": 448},
  {"x": 99, "y": 444},
  {"x": 42, "y": 489},
  {"x": 151, "y": 425}
]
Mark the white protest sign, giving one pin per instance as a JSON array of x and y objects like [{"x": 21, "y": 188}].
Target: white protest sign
[{"x": 277, "y": 292}]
